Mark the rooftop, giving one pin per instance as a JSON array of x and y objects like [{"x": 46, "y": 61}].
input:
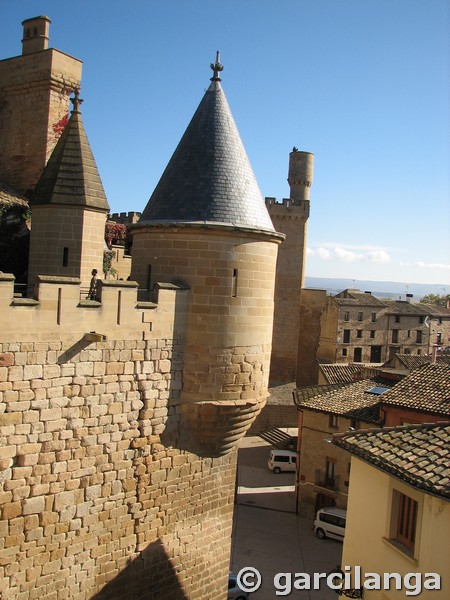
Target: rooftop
[
  {"x": 340, "y": 373},
  {"x": 71, "y": 176},
  {"x": 417, "y": 454},
  {"x": 352, "y": 400},
  {"x": 425, "y": 389},
  {"x": 209, "y": 179},
  {"x": 10, "y": 197}
]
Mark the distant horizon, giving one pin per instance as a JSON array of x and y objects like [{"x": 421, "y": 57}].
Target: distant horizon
[{"x": 379, "y": 286}]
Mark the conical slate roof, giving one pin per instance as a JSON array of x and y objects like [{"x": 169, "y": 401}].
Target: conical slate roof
[
  {"x": 209, "y": 178},
  {"x": 71, "y": 176}
]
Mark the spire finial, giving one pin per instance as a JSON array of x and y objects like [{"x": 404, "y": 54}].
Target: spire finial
[
  {"x": 77, "y": 101},
  {"x": 217, "y": 67}
]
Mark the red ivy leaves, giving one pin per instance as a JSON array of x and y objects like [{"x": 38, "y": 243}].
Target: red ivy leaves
[
  {"x": 58, "y": 127},
  {"x": 115, "y": 232}
]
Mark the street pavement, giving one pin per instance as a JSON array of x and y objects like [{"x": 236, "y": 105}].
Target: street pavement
[{"x": 269, "y": 536}]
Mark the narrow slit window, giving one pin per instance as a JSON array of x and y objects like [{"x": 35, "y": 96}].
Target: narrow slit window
[
  {"x": 234, "y": 283},
  {"x": 65, "y": 257}
]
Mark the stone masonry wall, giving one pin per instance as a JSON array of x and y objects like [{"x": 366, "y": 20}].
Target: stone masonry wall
[
  {"x": 34, "y": 101},
  {"x": 96, "y": 496}
]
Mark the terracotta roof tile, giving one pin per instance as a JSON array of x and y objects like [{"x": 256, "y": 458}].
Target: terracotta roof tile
[
  {"x": 425, "y": 389},
  {"x": 416, "y": 454},
  {"x": 340, "y": 373},
  {"x": 352, "y": 400}
]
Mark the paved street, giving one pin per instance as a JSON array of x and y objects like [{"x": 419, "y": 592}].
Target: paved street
[{"x": 268, "y": 535}]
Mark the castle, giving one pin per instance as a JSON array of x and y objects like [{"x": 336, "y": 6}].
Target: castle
[{"x": 120, "y": 416}]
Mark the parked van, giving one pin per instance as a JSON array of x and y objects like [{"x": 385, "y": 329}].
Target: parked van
[
  {"x": 330, "y": 522},
  {"x": 282, "y": 460}
]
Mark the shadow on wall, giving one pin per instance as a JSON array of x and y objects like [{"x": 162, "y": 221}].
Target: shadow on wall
[{"x": 150, "y": 576}]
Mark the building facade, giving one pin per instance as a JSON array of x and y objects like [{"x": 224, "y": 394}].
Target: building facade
[{"x": 398, "y": 516}]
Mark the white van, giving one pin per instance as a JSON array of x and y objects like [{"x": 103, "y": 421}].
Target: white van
[
  {"x": 330, "y": 522},
  {"x": 282, "y": 460}
]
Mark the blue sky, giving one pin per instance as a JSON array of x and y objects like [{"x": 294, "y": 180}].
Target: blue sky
[{"x": 363, "y": 84}]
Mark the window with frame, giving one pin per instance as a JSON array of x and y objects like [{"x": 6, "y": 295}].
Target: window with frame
[
  {"x": 404, "y": 520},
  {"x": 359, "y": 333},
  {"x": 333, "y": 421},
  {"x": 373, "y": 317},
  {"x": 397, "y": 318},
  {"x": 421, "y": 319},
  {"x": 419, "y": 336},
  {"x": 360, "y": 316},
  {"x": 344, "y": 351},
  {"x": 372, "y": 334},
  {"x": 394, "y": 336},
  {"x": 330, "y": 469},
  {"x": 347, "y": 336},
  {"x": 346, "y": 316}
]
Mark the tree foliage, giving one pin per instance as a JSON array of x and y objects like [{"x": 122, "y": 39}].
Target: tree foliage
[{"x": 436, "y": 299}]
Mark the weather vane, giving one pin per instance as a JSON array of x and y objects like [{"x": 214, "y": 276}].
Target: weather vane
[{"x": 217, "y": 67}]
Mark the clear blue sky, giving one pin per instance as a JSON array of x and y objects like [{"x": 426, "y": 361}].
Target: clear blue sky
[{"x": 363, "y": 84}]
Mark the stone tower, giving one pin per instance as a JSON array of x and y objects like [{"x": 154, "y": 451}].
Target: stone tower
[
  {"x": 34, "y": 102},
  {"x": 290, "y": 217},
  {"x": 69, "y": 209},
  {"x": 206, "y": 226}
]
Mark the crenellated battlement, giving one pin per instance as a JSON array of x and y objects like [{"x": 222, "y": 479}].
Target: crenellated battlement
[
  {"x": 126, "y": 218},
  {"x": 60, "y": 310},
  {"x": 287, "y": 208}
]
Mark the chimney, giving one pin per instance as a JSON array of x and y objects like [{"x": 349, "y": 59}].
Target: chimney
[
  {"x": 35, "y": 34},
  {"x": 434, "y": 350},
  {"x": 409, "y": 297}
]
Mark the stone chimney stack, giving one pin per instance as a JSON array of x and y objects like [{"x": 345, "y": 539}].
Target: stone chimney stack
[
  {"x": 35, "y": 34},
  {"x": 300, "y": 176}
]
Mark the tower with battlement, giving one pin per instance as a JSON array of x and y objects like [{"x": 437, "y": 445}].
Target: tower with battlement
[
  {"x": 290, "y": 216},
  {"x": 34, "y": 103}
]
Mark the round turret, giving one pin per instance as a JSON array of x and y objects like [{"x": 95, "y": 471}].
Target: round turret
[
  {"x": 206, "y": 226},
  {"x": 300, "y": 177}
]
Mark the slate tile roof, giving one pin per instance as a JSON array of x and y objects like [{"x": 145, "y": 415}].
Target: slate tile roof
[
  {"x": 340, "y": 373},
  {"x": 352, "y": 400},
  {"x": 209, "y": 178},
  {"x": 417, "y": 454},
  {"x": 71, "y": 176},
  {"x": 426, "y": 389}
]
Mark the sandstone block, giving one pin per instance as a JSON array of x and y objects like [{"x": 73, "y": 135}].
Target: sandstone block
[{"x": 33, "y": 505}]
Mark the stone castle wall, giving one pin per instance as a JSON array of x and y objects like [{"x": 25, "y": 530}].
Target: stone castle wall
[{"x": 96, "y": 496}]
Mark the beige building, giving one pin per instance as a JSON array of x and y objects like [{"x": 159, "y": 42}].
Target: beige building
[
  {"x": 383, "y": 397},
  {"x": 398, "y": 515},
  {"x": 357, "y": 327},
  {"x": 323, "y": 469}
]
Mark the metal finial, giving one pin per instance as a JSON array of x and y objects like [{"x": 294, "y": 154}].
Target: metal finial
[
  {"x": 217, "y": 67},
  {"x": 76, "y": 101}
]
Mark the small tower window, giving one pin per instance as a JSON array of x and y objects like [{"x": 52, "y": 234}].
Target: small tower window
[
  {"x": 35, "y": 31},
  {"x": 234, "y": 283},
  {"x": 65, "y": 257},
  {"x": 27, "y": 33}
]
